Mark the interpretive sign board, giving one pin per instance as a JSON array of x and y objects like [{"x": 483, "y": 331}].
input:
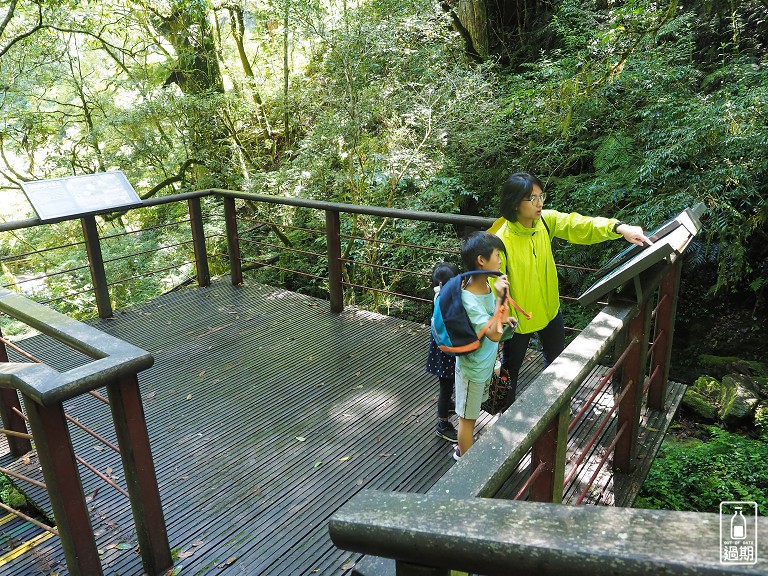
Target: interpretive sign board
[
  {"x": 80, "y": 195},
  {"x": 672, "y": 237}
]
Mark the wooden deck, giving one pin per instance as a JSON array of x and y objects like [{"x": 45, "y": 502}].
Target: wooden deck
[{"x": 266, "y": 413}]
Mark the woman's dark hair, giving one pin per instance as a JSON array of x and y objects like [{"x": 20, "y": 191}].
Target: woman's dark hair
[
  {"x": 479, "y": 244},
  {"x": 442, "y": 272},
  {"x": 517, "y": 188}
]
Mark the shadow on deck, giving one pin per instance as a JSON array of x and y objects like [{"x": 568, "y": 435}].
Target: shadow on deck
[{"x": 266, "y": 413}]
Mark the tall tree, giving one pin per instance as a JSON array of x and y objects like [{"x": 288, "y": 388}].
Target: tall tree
[{"x": 511, "y": 29}]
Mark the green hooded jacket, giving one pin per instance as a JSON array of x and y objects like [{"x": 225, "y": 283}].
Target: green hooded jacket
[{"x": 530, "y": 265}]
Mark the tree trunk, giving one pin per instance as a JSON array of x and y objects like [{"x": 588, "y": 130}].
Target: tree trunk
[
  {"x": 189, "y": 32},
  {"x": 473, "y": 14}
]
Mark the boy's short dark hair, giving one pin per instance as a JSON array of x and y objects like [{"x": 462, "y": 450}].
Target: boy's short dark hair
[
  {"x": 479, "y": 244},
  {"x": 442, "y": 272},
  {"x": 517, "y": 188}
]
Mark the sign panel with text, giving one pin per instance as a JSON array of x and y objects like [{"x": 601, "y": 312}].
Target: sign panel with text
[{"x": 79, "y": 195}]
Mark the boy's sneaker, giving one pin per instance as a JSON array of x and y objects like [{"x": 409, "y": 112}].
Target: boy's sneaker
[
  {"x": 446, "y": 431},
  {"x": 456, "y": 454}
]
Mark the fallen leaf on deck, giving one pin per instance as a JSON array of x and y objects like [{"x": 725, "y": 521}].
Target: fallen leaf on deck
[
  {"x": 345, "y": 458},
  {"x": 318, "y": 463},
  {"x": 124, "y": 546},
  {"x": 228, "y": 562},
  {"x": 189, "y": 397},
  {"x": 300, "y": 438}
]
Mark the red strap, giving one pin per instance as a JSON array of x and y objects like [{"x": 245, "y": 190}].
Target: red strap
[{"x": 501, "y": 313}]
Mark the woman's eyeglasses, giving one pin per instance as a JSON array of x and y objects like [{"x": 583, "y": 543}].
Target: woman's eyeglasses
[{"x": 535, "y": 199}]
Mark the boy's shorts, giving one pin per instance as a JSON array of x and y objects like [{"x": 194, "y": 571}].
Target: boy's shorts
[{"x": 470, "y": 394}]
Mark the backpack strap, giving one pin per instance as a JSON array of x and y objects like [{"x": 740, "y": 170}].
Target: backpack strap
[
  {"x": 546, "y": 227},
  {"x": 501, "y": 313},
  {"x": 508, "y": 301},
  {"x": 516, "y": 306}
]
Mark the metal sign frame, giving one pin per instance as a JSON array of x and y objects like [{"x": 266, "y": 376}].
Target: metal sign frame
[{"x": 672, "y": 237}]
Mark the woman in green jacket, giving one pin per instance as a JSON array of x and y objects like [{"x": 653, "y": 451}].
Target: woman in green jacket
[{"x": 527, "y": 231}]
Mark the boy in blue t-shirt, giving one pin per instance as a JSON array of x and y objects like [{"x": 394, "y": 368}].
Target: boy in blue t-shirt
[{"x": 481, "y": 251}]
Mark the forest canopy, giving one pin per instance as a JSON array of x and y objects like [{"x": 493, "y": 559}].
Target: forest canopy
[{"x": 631, "y": 109}]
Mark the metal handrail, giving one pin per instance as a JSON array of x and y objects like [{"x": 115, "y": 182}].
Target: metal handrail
[{"x": 101, "y": 285}]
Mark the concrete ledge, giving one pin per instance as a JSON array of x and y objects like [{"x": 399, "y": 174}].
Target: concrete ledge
[
  {"x": 493, "y": 537},
  {"x": 112, "y": 358}
]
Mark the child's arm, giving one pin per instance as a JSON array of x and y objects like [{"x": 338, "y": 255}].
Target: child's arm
[{"x": 496, "y": 329}]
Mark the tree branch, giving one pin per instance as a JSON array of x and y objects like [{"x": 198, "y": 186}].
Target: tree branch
[{"x": 9, "y": 16}]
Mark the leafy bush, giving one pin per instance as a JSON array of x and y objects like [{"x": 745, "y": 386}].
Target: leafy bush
[
  {"x": 696, "y": 476},
  {"x": 9, "y": 495}
]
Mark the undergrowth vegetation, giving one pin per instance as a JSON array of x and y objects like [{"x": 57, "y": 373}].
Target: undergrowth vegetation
[{"x": 697, "y": 474}]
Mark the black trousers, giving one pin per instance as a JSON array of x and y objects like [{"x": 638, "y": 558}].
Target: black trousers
[{"x": 444, "y": 396}]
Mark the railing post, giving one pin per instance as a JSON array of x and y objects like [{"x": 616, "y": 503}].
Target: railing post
[
  {"x": 632, "y": 382},
  {"x": 233, "y": 242},
  {"x": 666, "y": 311},
  {"x": 550, "y": 448},
  {"x": 96, "y": 265},
  {"x": 333, "y": 239},
  {"x": 9, "y": 399},
  {"x": 57, "y": 459},
  {"x": 198, "y": 242},
  {"x": 140, "y": 477}
]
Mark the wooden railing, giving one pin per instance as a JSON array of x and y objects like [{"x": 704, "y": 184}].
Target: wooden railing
[
  {"x": 114, "y": 364},
  {"x": 462, "y": 524},
  {"x": 637, "y": 333}
]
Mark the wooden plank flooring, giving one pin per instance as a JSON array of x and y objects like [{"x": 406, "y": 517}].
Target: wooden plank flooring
[{"x": 266, "y": 413}]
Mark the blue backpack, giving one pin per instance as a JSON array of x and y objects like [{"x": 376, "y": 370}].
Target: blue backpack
[{"x": 451, "y": 326}]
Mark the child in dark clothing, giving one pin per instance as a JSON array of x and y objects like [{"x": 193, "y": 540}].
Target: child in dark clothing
[{"x": 441, "y": 364}]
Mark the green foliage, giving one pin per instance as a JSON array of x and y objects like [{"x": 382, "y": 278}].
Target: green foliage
[
  {"x": 697, "y": 476},
  {"x": 761, "y": 421},
  {"x": 9, "y": 495},
  {"x": 633, "y": 110}
]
